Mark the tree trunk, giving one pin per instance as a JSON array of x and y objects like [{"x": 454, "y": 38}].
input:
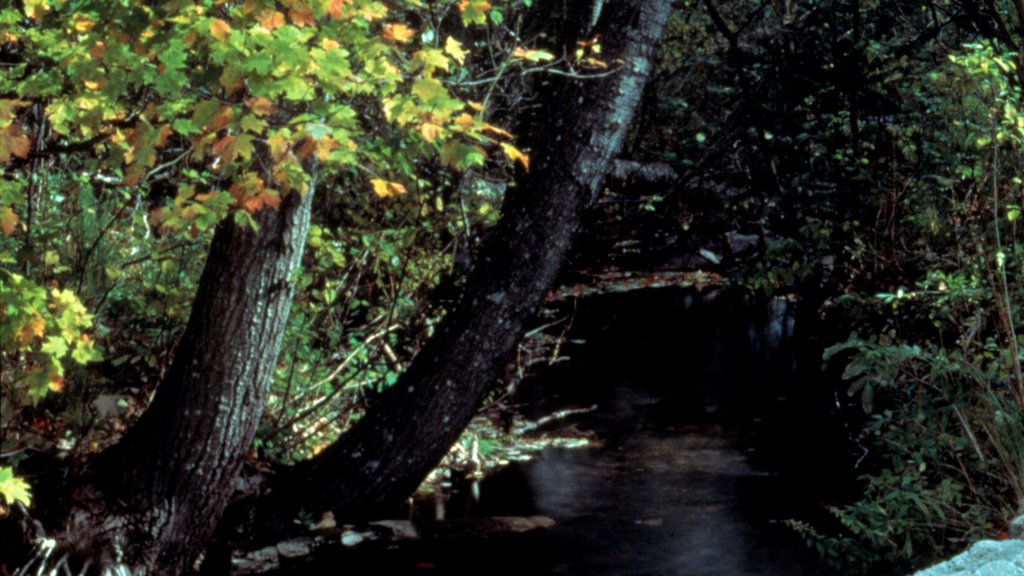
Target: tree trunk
[
  {"x": 407, "y": 432},
  {"x": 159, "y": 492}
]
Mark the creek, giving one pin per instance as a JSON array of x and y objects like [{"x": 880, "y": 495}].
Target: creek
[{"x": 708, "y": 433}]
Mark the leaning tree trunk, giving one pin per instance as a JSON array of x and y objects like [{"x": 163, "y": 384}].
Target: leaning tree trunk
[
  {"x": 159, "y": 492},
  {"x": 407, "y": 431}
]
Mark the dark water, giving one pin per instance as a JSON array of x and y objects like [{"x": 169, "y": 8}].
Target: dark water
[{"x": 708, "y": 438}]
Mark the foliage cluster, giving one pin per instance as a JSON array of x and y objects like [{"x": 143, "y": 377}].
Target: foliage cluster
[{"x": 130, "y": 130}]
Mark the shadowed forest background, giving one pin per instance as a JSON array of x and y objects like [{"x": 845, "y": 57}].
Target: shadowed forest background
[{"x": 266, "y": 259}]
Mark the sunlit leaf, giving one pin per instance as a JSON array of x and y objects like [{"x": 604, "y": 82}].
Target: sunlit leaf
[
  {"x": 397, "y": 32},
  {"x": 386, "y": 189},
  {"x": 8, "y": 221},
  {"x": 14, "y": 489},
  {"x": 516, "y": 155}
]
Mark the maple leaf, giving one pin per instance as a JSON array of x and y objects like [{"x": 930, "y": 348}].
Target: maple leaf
[
  {"x": 260, "y": 106},
  {"x": 225, "y": 148},
  {"x": 31, "y": 330},
  {"x": 278, "y": 147},
  {"x": 13, "y": 142},
  {"x": 398, "y": 32},
  {"x": 453, "y": 48},
  {"x": 219, "y": 29},
  {"x": 429, "y": 131},
  {"x": 324, "y": 146},
  {"x": 8, "y": 220},
  {"x": 474, "y": 11},
  {"x": 385, "y": 189},
  {"x": 336, "y": 8},
  {"x": 302, "y": 16},
  {"x": 516, "y": 155},
  {"x": 270, "y": 19},
  {"x": 14, "y": 489},
  {"x": 221, "y": 118}
]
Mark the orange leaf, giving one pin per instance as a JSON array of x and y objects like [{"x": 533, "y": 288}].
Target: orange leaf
[
  {"x": 32, "y": 329},
  {"x": 324, "y": 146},
  {"x": 56, "y": 383},
  {"x": 8, "y": 220},
  {"x": 270, "y": 19},
  {"x": 260, "y": 106},
  {"x": 336, "y": 8},
  {"x": 221, "y": 118},
  {"x": 219, "y": 29},
  {"x": 302, "y": 16},
  {"x": 398, "y": 32},
  {"x": 225, "y": 148},
  {"x": 516, "y": 155},
  {"x": 464, "y": 120},
  {"x": 13, "y": 143},
  {"x": 305, "y": 148}
]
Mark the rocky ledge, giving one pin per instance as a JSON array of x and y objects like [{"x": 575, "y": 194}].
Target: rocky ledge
[{"x": 987, "y": 557}]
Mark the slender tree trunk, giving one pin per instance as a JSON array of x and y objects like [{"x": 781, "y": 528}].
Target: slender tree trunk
[
  {"x": 159, "y": 492},
  {"x": 407, "y": 432}
]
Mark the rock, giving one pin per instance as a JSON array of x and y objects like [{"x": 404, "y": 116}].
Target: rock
[
  {"x": 256, "y": 562},
  {"x": 741, "y": 243},
  {"x": 984, "y": 558},
  {"x": 1016, "y": 529},
  {"x": 398, "y": 530}
]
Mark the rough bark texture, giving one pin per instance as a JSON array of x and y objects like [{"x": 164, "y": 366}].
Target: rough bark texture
[
  {"x": 170, "y": 476},
  {"x": 406, "y": 433}
]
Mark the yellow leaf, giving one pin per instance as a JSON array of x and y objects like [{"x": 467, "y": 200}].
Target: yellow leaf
[
  {"x": 84, "y": 24},
  {"x": 386, "y": 189},
  {"x": 328, "y": 44},
  {"x": 278, "y": 147},
  {"x": 92, "y": 84},
  {"x": 56, "y": 383},
  {"x": 36, "y": 9},
  {"x": 324, "y": 146},
  {"x": 429, "y": 131},
  {"x": 453, "y": 48},
  {"x": 397, "y": 32},
  {"x": 475, "y": 105},
  {"x": 516, "y": 155},
  {"x": 8, "y": 220},
  {"x": 495, "y": 129},
  {"x": 464, "y": 120},
  {"x": 219, "y": 29}
]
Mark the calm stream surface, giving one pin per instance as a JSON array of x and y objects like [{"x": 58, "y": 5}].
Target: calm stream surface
[{"x": 700, "y": 453}]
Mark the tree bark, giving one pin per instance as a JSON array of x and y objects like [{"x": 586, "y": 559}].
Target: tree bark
[
  {"x": 158, "y": 493},
  {"x": 407, "y": 432}
]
